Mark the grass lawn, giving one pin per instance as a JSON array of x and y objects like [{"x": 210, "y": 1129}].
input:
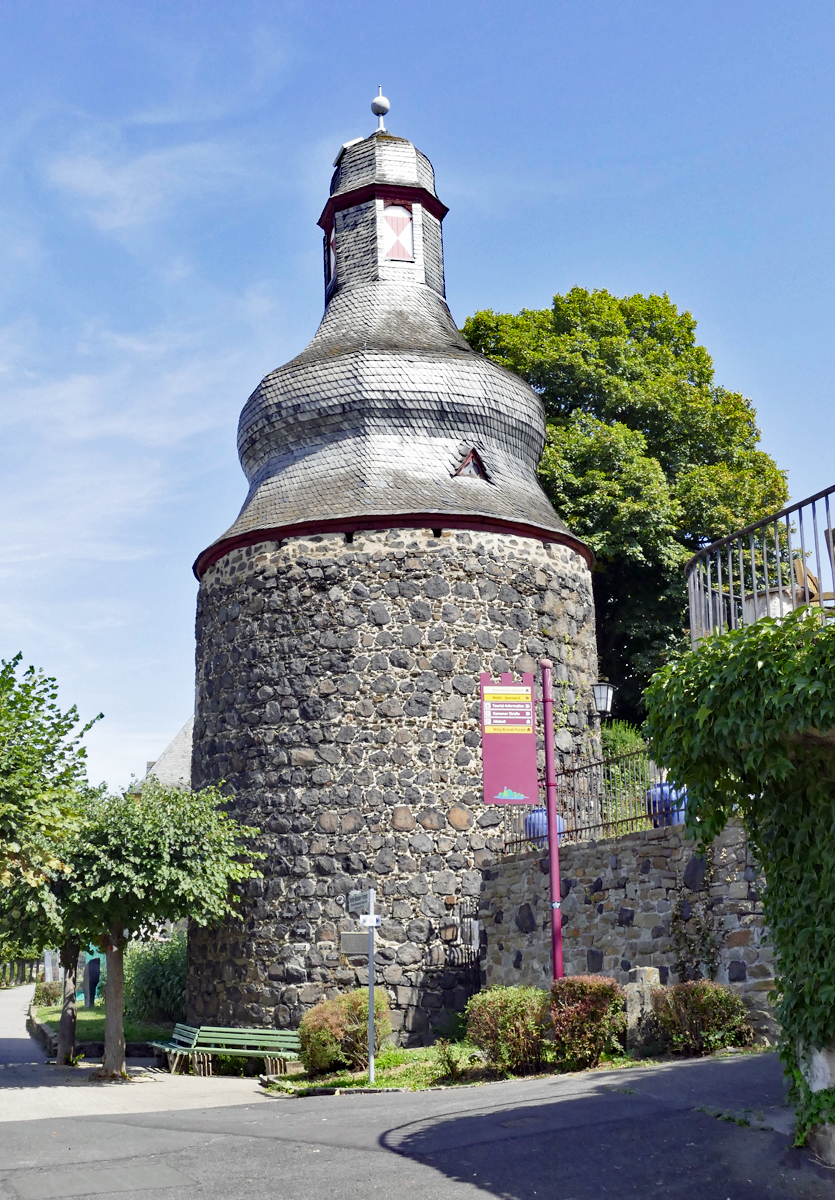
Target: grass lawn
[
  {"x": 426, "y": 1067},
  {"x": 90, "y": 1025}
]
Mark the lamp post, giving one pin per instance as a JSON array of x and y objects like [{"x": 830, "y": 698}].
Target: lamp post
[{"x": 603, "y": 695}]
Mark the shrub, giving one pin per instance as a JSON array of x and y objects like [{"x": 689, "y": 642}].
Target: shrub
[
  {"x": 619, "y": 737},
  {"x": 335, "y": 1032},
  {"x": 587, "y": 1018},
  {"x": 700, "y": 1016},
  {"x": 509, "y": 1025},
  {"x": 155, "y": 980},
  {"x": 47, "y": 994}
]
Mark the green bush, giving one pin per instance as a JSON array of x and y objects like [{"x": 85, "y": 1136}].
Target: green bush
[
  {"x": 47, "y": 994},
  {"x": 700, "y": 1016},
  {"x": 335, "y": 1032},
  {"x": 587, "y": 1018},
  {"x": 155, "y": 980},
  {"x": 238, "y": 1065},
  {"x": 509, "y": 1025},
  {"x": 619, "y": 737}
]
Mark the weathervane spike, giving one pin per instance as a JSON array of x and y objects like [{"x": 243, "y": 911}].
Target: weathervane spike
[{"x": 380, "y": 106}]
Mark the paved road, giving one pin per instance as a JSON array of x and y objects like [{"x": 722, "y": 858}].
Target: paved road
[{"x": 635, "y": 1133}]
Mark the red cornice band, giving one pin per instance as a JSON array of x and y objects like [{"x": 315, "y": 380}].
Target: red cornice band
[
  {"x": 387, "y": 191},
  {"x": 278, "y": 533}
]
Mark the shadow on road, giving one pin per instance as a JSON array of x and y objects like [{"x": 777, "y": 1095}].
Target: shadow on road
[{"x": 630, "y": 1134}]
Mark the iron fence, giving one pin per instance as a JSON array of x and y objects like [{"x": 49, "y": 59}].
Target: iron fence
[
  {"x": 599, "y": 799},
  {"x": 768, "y": 569}
]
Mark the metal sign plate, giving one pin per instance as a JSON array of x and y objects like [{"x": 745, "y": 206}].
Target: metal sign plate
[
  {"x": 358, "y": 902},
  {"x": 367, "y": 921},
  {"x": 354, "y": 943}
]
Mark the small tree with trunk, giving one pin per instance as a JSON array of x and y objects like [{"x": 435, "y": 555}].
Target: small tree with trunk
[
  {"x": 36, "y": 909},
  {"x": 141, "y": 860}
]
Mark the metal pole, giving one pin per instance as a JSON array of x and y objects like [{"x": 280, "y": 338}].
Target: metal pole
[
  {"x": 551, "y": 809},
  {"x": 371, "y": 897}
]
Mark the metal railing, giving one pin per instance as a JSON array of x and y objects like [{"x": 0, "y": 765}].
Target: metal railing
[
  {"x": 766, "y": 570},
  {"x": 600, "y": 799}
]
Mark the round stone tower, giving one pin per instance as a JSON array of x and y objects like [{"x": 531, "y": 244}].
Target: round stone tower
[{"x": 394, "y": 544}]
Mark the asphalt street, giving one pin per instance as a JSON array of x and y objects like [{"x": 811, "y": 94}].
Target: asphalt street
[{"x": 637, "y": 1132}]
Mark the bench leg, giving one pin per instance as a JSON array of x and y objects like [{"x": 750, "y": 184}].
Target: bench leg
[{"x": 272, "y": 1066}]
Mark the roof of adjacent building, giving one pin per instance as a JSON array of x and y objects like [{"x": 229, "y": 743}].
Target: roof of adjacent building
[{"x": 370, "y": 423}]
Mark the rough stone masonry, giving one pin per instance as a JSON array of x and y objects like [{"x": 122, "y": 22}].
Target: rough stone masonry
[
  {"x": 338, "y": 699},
  {"x": 642, "y": 900}
]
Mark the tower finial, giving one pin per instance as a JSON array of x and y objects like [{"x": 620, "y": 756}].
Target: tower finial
[{"x": 380, "y": 106}]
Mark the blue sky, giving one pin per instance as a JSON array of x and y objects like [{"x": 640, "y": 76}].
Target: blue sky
[{"x": 163, "y": 167}]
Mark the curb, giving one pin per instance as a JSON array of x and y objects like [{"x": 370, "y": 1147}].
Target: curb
[
  {"x": 289, "y": 1090},
  {"x": 47, "y": 1036}
]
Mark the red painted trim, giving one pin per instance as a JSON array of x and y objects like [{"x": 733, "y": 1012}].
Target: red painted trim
[
  {"x": 387, "y": 191},
  {"x": 278, "y": 533}
]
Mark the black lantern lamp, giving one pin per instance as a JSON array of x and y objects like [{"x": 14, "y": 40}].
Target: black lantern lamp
[{"x": 603, "y": 693}]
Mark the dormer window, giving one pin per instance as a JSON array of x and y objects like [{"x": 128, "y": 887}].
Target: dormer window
[
  {"x": 398, "y": 240},
  {"x": 332, "y": 252},
  {"x": 472, "y": 466}
]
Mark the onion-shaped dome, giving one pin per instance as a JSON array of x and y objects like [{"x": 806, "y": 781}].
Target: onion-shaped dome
[{"x": 389, "y": 418}]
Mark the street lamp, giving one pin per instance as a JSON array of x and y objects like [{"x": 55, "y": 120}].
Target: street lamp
[{"x": 603, "y": 693}]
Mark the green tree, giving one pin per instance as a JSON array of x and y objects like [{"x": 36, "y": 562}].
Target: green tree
[
  {"x": 35, "y": 907},
  {"x": 647, "y": 458},
  {"x": 42, "y": 768},
  {"x": 140, "y": 860}
]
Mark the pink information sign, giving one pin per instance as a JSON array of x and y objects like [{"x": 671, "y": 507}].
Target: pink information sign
[{"x": 508, "y": 740}]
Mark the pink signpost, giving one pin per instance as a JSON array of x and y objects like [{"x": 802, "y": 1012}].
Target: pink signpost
[
  {"x": 508, "y": 739},
  {"x": 551, "y": 810}
]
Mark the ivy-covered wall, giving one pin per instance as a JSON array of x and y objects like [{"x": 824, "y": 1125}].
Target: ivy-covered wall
[{"x": 642, "y": 900}]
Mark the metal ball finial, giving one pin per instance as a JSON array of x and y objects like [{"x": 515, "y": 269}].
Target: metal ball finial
[{"x": 380, "y": 106}]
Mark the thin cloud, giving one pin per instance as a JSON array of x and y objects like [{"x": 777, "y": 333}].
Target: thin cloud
[{"x": 117, "y": 192}]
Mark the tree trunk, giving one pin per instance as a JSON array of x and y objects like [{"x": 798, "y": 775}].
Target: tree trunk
[
  {"x": 66, "y": 1027},
  {"x": 114, "y": 1000}
]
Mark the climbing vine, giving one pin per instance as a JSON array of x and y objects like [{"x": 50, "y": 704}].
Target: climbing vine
[
  {"x": 747, "y": 723},
  {"x": 692, "y": 930}
]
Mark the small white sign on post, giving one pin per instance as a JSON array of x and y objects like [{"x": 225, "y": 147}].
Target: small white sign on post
[{"x": 358, "y": 902}]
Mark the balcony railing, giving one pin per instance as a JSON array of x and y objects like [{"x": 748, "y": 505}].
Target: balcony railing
[
  {"x": 602, "y": 799},
  {"x": 766, "y": 570}
]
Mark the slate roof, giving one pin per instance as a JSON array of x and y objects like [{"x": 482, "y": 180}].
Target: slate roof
[{"x": 375, "y": 416}]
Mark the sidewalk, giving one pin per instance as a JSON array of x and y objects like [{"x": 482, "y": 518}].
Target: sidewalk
[{"x": 31, "y": 1089}]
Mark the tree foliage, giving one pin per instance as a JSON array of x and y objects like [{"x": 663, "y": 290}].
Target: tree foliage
[
  {"x": 42, "y": 770},
  {"x": 141, "y": 859},
  {"x": 747, "y": 723},
  {"x": 647, "y": 457}
]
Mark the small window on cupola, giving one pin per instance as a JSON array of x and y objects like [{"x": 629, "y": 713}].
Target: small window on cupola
[
  {"x": 398, "y": 240},
  {"x": 473, "y": 466},
  {"x": 332, "y": 252}
]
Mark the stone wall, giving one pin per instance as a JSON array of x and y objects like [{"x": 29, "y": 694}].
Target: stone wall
[
  {"x": 337, "y": 697},
  {"x": 626, "y": 902}
]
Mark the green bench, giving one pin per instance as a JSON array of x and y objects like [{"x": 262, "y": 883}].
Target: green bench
[
  {"x": 276, "y": 1046},
  {"x": 179, "y": 1047}
]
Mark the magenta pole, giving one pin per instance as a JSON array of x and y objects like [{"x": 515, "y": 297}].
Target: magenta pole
[{"x": 551, "y": 809}]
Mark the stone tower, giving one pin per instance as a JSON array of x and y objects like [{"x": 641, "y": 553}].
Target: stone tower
[{"x": 394, "y": 543}]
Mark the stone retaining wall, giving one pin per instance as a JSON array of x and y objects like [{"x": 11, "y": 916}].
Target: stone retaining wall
[{"x": 643, "y": 900}]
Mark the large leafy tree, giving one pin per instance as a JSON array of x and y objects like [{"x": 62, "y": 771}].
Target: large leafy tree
[
  {"x": 140, "y": 860},
  {"x": 647, "y": 457},
  {"x": 42, "y": 770}
]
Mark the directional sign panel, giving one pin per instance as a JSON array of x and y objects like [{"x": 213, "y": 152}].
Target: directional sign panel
[
  {"x": 358, "y": 902},
  {"x": 368, "y": 922},
  {"x": 508, "y": 740},
  {"x": 354, "y": 943}
]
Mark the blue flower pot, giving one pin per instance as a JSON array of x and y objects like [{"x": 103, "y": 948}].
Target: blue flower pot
[
  {"x": 666, "y": 804},
  {"x": 536, "y": 826}
]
